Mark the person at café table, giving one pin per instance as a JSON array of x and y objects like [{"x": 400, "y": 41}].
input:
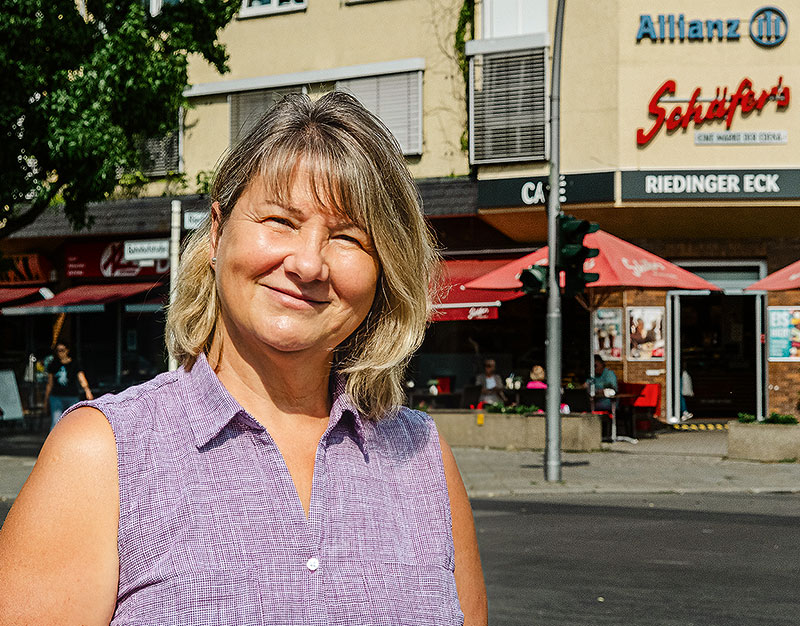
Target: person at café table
[
  {"x": 491, "y": 384},
  {"x": 604, "y": 378},
  {"x": 275, "y": 477}
]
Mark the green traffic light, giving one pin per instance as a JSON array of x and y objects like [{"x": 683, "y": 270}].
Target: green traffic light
[
  {"x": 534, "y": 279},
  {"x": 572, "y": 253}
]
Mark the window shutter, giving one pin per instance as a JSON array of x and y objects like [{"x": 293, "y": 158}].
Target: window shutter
[
  {"x": 508, "y": 107},
  {"x": 396, "y": 100},
  {"x": 159, "y": 155},
  {"x": 248, "y": 107}
]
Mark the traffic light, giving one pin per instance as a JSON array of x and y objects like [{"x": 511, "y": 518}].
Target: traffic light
[
  {"x": 534, "y": 279},
  {"x": 572, "y": 253}
]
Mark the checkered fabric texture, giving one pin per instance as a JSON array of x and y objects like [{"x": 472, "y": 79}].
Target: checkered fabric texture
[{"x": 212, "y": 530}]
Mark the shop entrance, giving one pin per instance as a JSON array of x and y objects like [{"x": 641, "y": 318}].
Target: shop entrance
[{"x": 718, "y": 339}]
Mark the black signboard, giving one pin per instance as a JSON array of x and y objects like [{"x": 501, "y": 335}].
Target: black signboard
[
  {"x": 710, "y": 184},
  {"x": 534, "y": 190}
]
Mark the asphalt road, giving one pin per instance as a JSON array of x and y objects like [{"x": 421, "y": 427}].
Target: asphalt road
[{"x": 654, "y": 560}]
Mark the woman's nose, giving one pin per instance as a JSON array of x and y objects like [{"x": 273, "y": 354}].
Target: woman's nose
[{"x": 307, "y": 258}]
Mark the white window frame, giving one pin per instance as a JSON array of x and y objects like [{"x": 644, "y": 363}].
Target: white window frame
[{"x": 274, "y": 9}]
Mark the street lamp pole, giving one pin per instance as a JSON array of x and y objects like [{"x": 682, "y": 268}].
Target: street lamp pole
[{"x": 552, "y": 464}]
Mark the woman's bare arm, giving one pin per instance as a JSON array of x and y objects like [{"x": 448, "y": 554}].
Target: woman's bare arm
[
  {"x": 469, "y": 574},
  {"x": 59, "y": 562}
]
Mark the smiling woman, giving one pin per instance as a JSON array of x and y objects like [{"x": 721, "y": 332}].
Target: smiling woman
[{"x": 274, "y": 478}]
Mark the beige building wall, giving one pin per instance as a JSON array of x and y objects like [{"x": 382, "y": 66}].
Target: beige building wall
[
  {"x": 644, "y": 67},
  {"x": 330, "y": 34}
]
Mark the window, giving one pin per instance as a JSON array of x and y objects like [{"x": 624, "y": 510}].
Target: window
[
  {"x": 159, "y": 155},
  {"x": 508, "y": 106},
  {"x": 509, "y": 18},
  {"x": 397, "y": 100},
  {"x": 248, "y": 107},
  {"x": 252, "y": 8}
]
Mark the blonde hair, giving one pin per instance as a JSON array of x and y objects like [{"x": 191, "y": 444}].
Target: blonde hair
[{"x": 356, "y": 168}]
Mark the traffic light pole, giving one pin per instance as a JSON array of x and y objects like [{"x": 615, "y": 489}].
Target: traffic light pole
[{"x": 552, "y": 464}]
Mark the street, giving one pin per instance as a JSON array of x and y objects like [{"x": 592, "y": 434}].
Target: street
[{"x": 655, "y": 560}]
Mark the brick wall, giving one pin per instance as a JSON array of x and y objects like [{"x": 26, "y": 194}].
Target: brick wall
[{"x": 784, "y": 378}]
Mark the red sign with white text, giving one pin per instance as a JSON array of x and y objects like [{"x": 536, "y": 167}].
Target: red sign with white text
[
  {"x": 722, "y": 107},
  {"x": 107, "y": 259}
]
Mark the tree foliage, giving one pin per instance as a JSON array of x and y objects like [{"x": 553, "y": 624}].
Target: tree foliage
[{"x": 84, "y": 87}]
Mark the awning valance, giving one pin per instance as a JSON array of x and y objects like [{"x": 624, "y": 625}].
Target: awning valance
[
  {"x": 82, "y": 299},
  {"x": 12, "y": 294},
  {"x": 458, "y": 302}
]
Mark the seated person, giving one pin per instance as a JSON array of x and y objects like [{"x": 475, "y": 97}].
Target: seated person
[
  {"x": 604, "y": 378},
  {"x": 537, "y": 380},
  {"x": 491, "y": 384}
]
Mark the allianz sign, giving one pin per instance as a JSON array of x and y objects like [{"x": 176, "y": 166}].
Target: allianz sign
[{"x": 768, "y": 28}]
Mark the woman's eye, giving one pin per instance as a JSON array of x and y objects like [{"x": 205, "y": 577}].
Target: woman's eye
[
  {"x": 280, "y": 220},
  {"x": 350, "y": 239}
]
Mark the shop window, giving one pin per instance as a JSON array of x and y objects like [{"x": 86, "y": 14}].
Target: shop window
[
  {"x": 397, "y": 100},
  {"x": 510, "y": 18},
  {"x": 254, "y": 8},
  {"x": 508, "y": 106},
  {"x": 248, "y": 107},
  {"x": 159, "y": 155}
]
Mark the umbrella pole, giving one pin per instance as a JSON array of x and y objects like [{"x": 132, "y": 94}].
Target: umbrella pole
[{"x": 552, "y": 457}]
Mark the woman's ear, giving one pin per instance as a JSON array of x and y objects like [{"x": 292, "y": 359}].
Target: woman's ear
[{"x": 216, "y": 217}]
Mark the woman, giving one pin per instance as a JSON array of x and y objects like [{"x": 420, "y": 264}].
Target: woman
[
  {"x": 65, "y": 379},
  {"x": 537, "y": 378},
  {"x": 491, "y": 384},
  {"x": 272, "y": 479}
]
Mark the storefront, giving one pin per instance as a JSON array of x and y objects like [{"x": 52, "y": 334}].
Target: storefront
[{"x": 677, "y": 135}]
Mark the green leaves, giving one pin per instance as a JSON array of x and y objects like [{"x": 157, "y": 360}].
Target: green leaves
[{"x": 85, "y": 89}]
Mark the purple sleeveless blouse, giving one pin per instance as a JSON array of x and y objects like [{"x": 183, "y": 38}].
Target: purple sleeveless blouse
[{"x": 212, "y": 531}]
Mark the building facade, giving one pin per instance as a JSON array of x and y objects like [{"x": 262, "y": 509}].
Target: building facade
[{"x": 677, "y": 133}]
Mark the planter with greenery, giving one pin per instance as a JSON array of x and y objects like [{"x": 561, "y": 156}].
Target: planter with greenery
[{"x": 777, "y": 438}]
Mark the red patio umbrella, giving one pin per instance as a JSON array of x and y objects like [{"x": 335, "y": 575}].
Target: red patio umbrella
[
  {"x": 782, "y": 280},
  {"x": 620, "y": 264}
]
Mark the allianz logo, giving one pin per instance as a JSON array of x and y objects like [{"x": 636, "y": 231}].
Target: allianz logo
[{"x": 768, "y": 27}]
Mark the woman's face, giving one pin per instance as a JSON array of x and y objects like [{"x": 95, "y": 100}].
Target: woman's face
[{"x": 292, "y": 278}]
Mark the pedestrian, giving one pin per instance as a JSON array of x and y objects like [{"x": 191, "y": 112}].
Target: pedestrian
[
  {"x": 687, "y": 391},
  {"x": 65, "y": 383},
  {"x": 274, "y": 478}
]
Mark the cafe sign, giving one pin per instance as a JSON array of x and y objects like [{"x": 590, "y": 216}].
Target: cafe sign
[
  {"x": 725, "y": 106},
  {"x": 533, "y": 191}
]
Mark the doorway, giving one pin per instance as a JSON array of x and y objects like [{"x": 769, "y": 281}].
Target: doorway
[{"x": 717, "y": 337}]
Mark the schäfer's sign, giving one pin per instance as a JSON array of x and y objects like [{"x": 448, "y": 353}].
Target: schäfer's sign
[{"x": 722, "y": 107}]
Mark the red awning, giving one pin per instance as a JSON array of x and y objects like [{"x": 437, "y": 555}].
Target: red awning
[
  {"x": 82, "y": 299},
  {"x": 10, "y": 294},
  {"x": 458, "y": 302}
]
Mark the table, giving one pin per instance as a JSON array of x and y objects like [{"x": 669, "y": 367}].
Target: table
[{"x": 614, "y": 402}]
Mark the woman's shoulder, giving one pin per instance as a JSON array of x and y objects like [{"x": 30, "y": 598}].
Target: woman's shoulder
[
  {"x": 137, "y": 403},
  {"x": 405, "y": 433}
]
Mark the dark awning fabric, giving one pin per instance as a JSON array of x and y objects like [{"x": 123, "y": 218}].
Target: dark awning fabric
[
  {"x": 11, "y": 294},
  {"x": 460, "y": 303},
  {"x": 82, "y": 299}
]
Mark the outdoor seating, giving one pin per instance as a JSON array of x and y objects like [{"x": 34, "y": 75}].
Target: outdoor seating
[
  {"x": 642, "y": 403},
  {"x": 536, "y": 397}
]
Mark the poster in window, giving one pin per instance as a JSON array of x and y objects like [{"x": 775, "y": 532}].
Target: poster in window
[
  {"x": 645, "y": 333},
  {"x": 608, "y": 335},
  {"x": 783, "y": 331}
]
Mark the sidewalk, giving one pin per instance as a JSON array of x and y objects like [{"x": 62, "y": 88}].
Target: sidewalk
[{"x": 676, "y": 462}]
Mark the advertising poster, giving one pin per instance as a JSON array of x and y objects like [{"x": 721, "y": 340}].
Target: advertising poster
[
  {"x": 783, "y": 332},
  {"x": 608, "y": 335},
  {"x": 645, "y": 333}
]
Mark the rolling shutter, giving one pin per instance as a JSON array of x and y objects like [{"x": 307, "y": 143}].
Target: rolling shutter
[
  {"x": 248, "y": 107},
  {"x": 508, "y": 107},
  {"x": 397, "y": 100}
]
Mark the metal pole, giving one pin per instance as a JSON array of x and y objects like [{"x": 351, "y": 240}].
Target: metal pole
[
  {"x": 174, "y": 254},
  {"x": 552, "y": 464}
]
